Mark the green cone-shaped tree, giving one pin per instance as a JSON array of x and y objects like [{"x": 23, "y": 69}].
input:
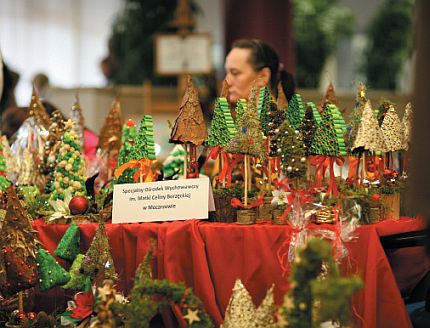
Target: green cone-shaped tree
[
  {"x": 68, "y": 247},
  {"x": 144, "y": 142},
  {"x": 295, "y": 112},
  {"x": 78, "y": 280},
  {"x": 262, "y": 107},
  {"x": 222, "y": 128},
  {"x": 51, "y": 273}
]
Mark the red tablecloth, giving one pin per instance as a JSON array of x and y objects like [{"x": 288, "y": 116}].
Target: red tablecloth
[{"x": 209, "y": 257}]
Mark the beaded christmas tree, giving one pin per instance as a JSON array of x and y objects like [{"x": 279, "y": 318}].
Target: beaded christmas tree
[
  {"x": 18, "y": 248},
  {"x": 69, "y": 173},
  {"x": 98, "y": 260},
  {"x": 77, "y": 116},
  {"x": 276, "y": 118},
  {"x": 4, "y": 181},
  {"x": 295, "y": 112},
  {"x": 50, "y": 272},
  {"x": 68, "y": 248},
  {"x": 222, "y": 128},
  {"x": 308, "y": 128},
  {"x": 37, "y": 110},
  {"x": 329, "y": 135},
  {"x": 262, "y": 107}
]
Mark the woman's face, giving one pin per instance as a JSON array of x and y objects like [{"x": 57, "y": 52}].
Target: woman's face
[{"x": 240, "y": 74}]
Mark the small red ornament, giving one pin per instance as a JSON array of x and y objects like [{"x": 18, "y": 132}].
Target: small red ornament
[
  {"x": 375, "y": 197},
  {"x": 78, "y": 205},
  {"x": 130, "y": 122},
  {"x": 31, "y": 315},
  {"x": 371, "y": 167},
  {"x": 21, "y": 315}
]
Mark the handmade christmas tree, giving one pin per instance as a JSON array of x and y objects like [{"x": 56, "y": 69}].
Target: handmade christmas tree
[
  {"x": 144, "y": 141},
  {"x": 315, "y": 112},
  {"x": 329, "y": 98},
  {"x": 110, "y": 135},
  {"x": 50, "y": 272},
  {"x": 56, "y": 130},
  {"x": 369, "y": 136},
  {"x": 37, "y": 110},
  {"x": 174, "y": 163},
  {"x": 407, "y": 126},
  {"x": 78, "y": 280},
  {"x": 281, "y": 101},
  {"x": 240, "y": 109},
  {"x": 276, "y": 117},
  {"x": 262, "y": 107},
  {"x": 329, "y": 135},
  {"x": 68, "y": 248},
  {"x": 4, "y": 181},
  {"x": 11, "y": 164},
  {"x": 98, "y": 260},
  {"x": 381, "y": 111},
  {"x": 18, "y": 248},
  {"x": 222, "y": 128},
  {"x": 69, "y": 173},
  {"x": 292, "y": 150},
  {"x": 352, "y": 128},
  {"x": 190, "y": 128},
  {"x": 308, "y": 128},
  {"x": 295, "y": 112},
  {"x": 129, "y": 133},
  {"x": 392, "y": 130},
  {"x": 77, "y": 116}
]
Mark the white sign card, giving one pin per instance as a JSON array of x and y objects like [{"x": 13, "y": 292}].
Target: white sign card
[{"x": 162, "y": 201}]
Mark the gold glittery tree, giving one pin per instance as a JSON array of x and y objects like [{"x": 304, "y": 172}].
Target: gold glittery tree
[
  {"x": 407, "y": 126},
  {"x": 391, "y": 130},
  {"x": 37, "y": 110},
  {"x": 352, "y": 128}
]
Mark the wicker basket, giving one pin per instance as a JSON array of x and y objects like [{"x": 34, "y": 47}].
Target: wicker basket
[
  {"x": 246, "y": 216},
  {"x": 224, "y": 211},
  {"x": 265, "y": 210},
  {"x": 325, "y": 215},
  {"x": 277, "y": 216}
]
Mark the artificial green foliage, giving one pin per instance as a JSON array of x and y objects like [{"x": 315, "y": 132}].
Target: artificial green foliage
[
  {"x": 275, "y": 118},
  {"x": 144, "y": 143},
  {"x": 98, "y": 257},
  {"x": 295, "y": 112},
  {"x": 308, "y": 128},
  {"x": 68, "y": 247},
  {"x": 262, "y": 107},
  {"x": 249, "y": 138},
  {"x": 389, "y": 43},
  {"x": 316, "y": 297},
  {"x": 51, "y": 273},
  {"x": 69, "y": 173},
  {"x": 4, "y": 181},
  {"x": 357, "y": 113},
  {"x": 149, "y": 296},
  {"x": 78, "y": 280},
  {"x": 382, "y": 109},
  {"x": 290, "y": 143},
  {"x": 36, "y": 204},
  {"x": 318, "y": 26},
  {"x": 222, "y": 128},
  {"x": 240, "y": 108},
  {"x": 329, "y": 135}
]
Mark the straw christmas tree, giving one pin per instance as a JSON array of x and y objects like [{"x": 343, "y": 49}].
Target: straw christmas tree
[
  {"x": 222, "y": 127},
  {"x": 308, "y": 127},
  {"x": 98, "y": 259},
  {"x": 69, "y": 173},
  {"x": 78, "y": 280},
  {"x": 51, "y": 273},
  {"x": 281, "y": 101},
  {"x": 4, "y": 181},
  {"x": 329, "y": 98},
  {"x": 262, "y": 108},
  {"x": 77, "y": 116},
  {"x": 190, "y": 128},
  {"x": 295, "y": 112},
  {"x": 369, "y": 135},
  {"x": 18, "y": 248},
  {"x": 56, "y": 130},
  {"x": 68, "y": 248}
]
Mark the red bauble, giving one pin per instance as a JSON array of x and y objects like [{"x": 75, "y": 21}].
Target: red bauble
[
  {"x": 78, "y": 205},
  {"x": 375, "y": 197},
  {"x": 31, "y": 315},
  {"x": 371, "y": 167}
]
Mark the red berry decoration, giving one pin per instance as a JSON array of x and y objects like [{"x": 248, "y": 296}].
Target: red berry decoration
[
  {"x": 375, "y": 197},
  {"x": 78, "y": 205},
  {"x": 31, "y": 315}
]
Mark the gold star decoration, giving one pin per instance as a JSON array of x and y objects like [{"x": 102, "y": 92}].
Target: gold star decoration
[
  {"x": 69, "y": 125},
  {"x": 105, "y": 291},
  {"x": 192, "y": 316}
]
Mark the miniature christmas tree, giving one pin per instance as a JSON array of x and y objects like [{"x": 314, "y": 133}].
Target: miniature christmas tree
[
  {"x": 77, "y": 116},
  {"x": 4, "y": 181},
  {"x": 174, "y": 163},
  {"x": 276, "y": 117},
  {"x": 315, "y": 112},
  {"x": 51, "y": 273},
  {"x": 69, "y": 173},
  {"x": 369, "y": 136},
  {"x": 381, "y": 111},
  {"x": 407, "y": 126},
  {"x": 78, "y": 280},
  {"x": 262, "y": 107},
  {"x": 392, "y": 130},
  {"x": 18, "y": 247},
  {"x": 68, "y": 248},
  {"x": 144, "y": 141},
  {"x": 37, "y": 110},
  {"x": 329, "y": 98},
  {"x": 240, "y": 109},
  {"x": 295, "y": 112},
  {"x": 110, "y": 135},
  {"x": 98, "y": 259},
  {"x": 190, "y": 128},
  {"x": 328, "y": 138},
  {"x": 281, "y": 101},
  {"x": 352, "y": 128},
  {"x": 290, "y": 143},
  {"x": 308, "y": 128},
  {"x": 11, "y": 164},
  {"x": 56, "y": 130},
  {"x": 129, "y": 133},
  {"x": 222, "y": 128}
]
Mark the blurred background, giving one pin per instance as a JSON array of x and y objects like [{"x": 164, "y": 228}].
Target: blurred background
[{"x": 105, "y": 48}]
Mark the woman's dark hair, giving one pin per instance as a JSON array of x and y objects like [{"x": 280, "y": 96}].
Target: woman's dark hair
[{"x": 263, "y": 55}]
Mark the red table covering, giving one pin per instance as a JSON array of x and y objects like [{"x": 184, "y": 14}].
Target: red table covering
[{"x": 209, "y": 257}]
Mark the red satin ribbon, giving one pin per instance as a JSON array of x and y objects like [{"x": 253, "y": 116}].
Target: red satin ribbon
[
  {"x": 282, "y": 184},
  {"x": 236, "y": 202},
  {"x": 353, "y": 162},
  {"x": 332, "y": 188},
  {"x": 321, "y": 162}
]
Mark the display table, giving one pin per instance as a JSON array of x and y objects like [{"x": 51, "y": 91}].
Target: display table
[{"x": 210, "y": 256}]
